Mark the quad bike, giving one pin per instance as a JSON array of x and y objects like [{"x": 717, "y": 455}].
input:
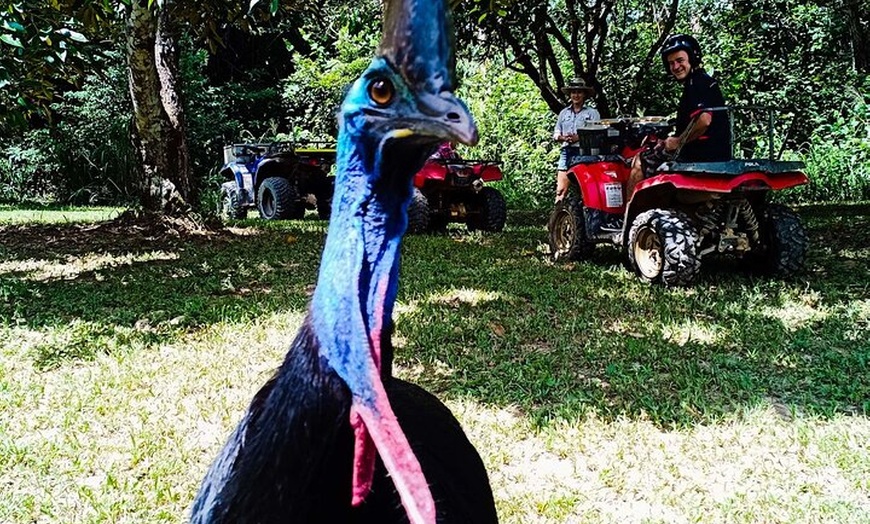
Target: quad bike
[
  {"x": 280, "y": 179},
  {"x": 453, "y": 190},
  {"x": 684, "y": 212}
]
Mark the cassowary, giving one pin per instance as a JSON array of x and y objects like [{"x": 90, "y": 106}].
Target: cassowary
[{"x": 332, "y": 437}]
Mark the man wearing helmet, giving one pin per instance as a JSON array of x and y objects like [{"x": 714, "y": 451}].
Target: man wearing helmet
[
  {"x": 574, "y": 116},
  {"x": 704, "y": 135}
]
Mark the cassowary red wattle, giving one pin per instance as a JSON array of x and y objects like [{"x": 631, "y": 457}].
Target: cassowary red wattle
[{"x": 333, "y": 437}]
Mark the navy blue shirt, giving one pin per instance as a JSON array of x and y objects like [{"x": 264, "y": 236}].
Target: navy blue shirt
[{"x": 701, "y": 91}]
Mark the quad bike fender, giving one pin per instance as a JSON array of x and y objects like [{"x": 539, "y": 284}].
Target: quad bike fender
[
  {"x": 243, "y": 178},
  {"x": 436, "y": 170},
  {"x": 488, "y": 171},
  {"x": 282, "y": 166},
  {"x": 431, "y": 171},
  {"x": 602, "y": 185},
  {"x": 745, "y": 182}
]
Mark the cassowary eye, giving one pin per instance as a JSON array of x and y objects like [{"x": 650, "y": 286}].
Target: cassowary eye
[{"x": 381, "y": 91}]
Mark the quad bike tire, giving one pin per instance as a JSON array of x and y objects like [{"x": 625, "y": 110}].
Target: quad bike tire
[
  {"x": 324, "y": 199},
  {"x": 324, "y": 208},
  {"x": 418, "y": 213},
  {"x": 662, "y": 247},
  {"x": 438, "y": 222},
  {"x": 492, "y": 211},
  {"x": 786, "y": 241},
  {"x": 298, "y": 212},
  {"x": 567, "y": 231},
  {"x": 229, "y": 205},
  {"x": 277, "y": 199}
]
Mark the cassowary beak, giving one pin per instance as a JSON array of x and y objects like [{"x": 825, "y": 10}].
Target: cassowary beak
[{"x": 418, "y": 42}]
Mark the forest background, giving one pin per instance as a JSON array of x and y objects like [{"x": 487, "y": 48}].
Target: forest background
[{"x": 76, "y": 76}]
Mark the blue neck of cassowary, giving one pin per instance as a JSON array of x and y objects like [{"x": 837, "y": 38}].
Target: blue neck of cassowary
[{"x": 356, "y": 289}]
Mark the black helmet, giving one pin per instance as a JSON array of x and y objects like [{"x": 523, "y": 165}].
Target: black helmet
[{"x": 681, "y": 42}]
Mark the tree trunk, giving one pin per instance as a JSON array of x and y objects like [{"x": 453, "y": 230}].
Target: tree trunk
[
  {"x": 156, "y": 137},
  {"x": 167, "y": 52},
  {"x": 858, "y": 19},
  {"x": 527, "y": 33}
]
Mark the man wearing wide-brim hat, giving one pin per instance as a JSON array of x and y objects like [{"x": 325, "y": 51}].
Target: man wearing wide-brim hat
[{"x": 574, "y": 116}]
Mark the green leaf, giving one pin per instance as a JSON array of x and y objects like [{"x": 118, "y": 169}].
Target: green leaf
[
  {"x": 13, "y": 26},
  {"x": 274, "y": 7},
  {"x": 74, "y": 36},
  {"x": 11, "y": 40}
]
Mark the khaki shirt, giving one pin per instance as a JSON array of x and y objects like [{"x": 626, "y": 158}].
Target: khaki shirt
[{"x": 569, "y": 121}]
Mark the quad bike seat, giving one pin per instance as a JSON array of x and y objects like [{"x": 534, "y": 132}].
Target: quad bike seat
[{"x": 733, "y": 167}]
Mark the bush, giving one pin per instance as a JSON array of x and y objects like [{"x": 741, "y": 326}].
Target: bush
[
  {"x": 84, "y": 156},
  {"x": 838, "y": 157},
  {"x": 515, "y": 126},
  {"x": 313, "y": 93},
  {"x": 28, "y": 170},
  {"x": 218, "y": 115}
]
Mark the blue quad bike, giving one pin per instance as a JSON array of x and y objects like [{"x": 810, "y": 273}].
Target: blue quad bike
[{"x": 280, "y": 179}]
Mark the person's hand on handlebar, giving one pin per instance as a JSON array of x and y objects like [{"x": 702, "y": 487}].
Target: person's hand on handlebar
[{"x": 671, "y": 143}]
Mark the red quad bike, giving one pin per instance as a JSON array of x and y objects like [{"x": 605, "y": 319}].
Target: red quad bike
[
  {"x": 682, "y": 213},
  {"x": 453, "y": 190}
]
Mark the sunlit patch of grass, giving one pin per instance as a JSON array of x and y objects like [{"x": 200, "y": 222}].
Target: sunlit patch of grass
[
  {"x": 798, "y": 309},
  {"x": 35, "y": 269},
  {"x": 472, "y": 297},
  {"x": 684, "y": 332},
  {"x": 124, "y": 437},
  {"x": 56, "y": 215},
  {"x": 753, "y": 467}
]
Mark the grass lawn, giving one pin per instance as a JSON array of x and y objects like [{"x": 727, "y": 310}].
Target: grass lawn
[
  {"x": 126, "y": 357},
  {"x": 55, "y": 214}
]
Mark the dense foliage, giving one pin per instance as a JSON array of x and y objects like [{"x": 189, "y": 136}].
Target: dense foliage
[
  {"x": 85, "y": 157},
  {"x": 43, "y": 51},
  {"x": 781, "y": 53}
]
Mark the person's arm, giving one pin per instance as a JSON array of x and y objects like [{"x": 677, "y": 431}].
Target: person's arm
[
  {"x": 700, "y": 127},
  {"x": 557, "y": 132},
  {"x": 705, "y": 94}
]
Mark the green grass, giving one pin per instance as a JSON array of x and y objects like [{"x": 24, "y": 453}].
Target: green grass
[
  {"x": 16, "y": 214},
  {"x": 127, "y": 358}
]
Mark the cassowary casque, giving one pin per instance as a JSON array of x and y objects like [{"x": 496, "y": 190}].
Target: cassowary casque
[{"x": 332, "y": 437}]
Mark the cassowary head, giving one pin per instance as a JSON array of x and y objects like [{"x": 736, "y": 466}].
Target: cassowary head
[{"x": 403, "y": 104}]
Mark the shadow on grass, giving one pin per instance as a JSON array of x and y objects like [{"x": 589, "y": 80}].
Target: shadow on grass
[
  {"x": 561, "y": 341},
  {"x": 489, "y": 317},
  {"x": 97, "y": 292}
]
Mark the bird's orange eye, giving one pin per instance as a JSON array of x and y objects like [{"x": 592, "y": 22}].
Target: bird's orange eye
[{"x": 381, "y": 91}]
